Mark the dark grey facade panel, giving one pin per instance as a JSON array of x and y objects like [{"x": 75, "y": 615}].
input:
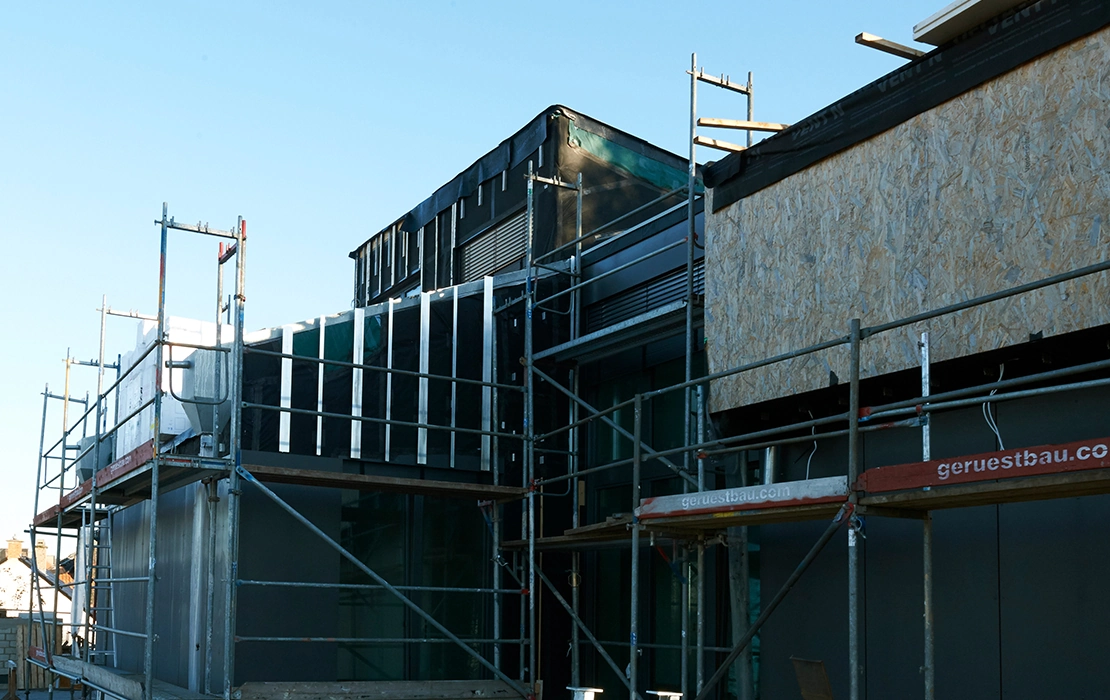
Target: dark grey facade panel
[
  {"x": 275, "y": 547},
  {"x": 1018, "y": 608}
]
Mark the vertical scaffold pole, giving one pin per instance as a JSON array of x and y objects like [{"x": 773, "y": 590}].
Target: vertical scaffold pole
[
  {"x": 36, "y": 586},
  {"x": 634, "y": 596},
  {"x": 211, "y": 489},
  {"x": 529, "y": 428},
  {"x": 691, "y": 233},
  {"x": 854, "y": 633},
  {"x": 90, "y": 544},
  {"x": 574, "y": 440},
  {"x": 927, "y": 532},
  {"x": 148, "y": 626},
  {"x": 701, "y": 555},
  {"x": 236, "y": 453},
  {"x": 751, "y": 107}
]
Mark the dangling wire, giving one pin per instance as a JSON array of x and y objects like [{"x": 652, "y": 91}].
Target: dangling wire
[
  {"x": 812, "y": 452},
  {"x": 988, "y": 414}
]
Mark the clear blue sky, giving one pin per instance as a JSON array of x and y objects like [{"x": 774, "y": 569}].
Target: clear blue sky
[{"x": 320, "y": 123}]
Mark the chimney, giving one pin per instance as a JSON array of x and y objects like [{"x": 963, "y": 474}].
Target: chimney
[
  {"x": 43, "y": 561},
  {"x": 15, "y": 548}
]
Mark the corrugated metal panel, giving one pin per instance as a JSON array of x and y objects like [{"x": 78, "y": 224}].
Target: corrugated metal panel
[
  {"x": 496, "y": 248},
  {"x": 643, "y": 298}
]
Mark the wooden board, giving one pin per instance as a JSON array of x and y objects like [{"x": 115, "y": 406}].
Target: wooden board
[
  {"x": 833, "y": 489},
  {"x": 1006, "y": 184},
  {"x": 100, "y": 677},
  {"x": 379, "y": 690},
  {"x": 1031, "y": 488},
  {"x": 369, "y": 482}
]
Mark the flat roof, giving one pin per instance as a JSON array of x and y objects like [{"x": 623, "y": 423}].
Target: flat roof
[{"x": 959, "y": 17}]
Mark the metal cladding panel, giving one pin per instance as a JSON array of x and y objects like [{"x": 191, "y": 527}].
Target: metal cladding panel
[
  {"x": 275, "y": 547},
  {"x": 965, "y": 592},
  {"x": 496, "y": 248},
  {"x": 176, "y": 658},
  {"x": 811, "y": 623},
  {"x": 1054, "y": 558},
  {"x": 643, "y": 298}
]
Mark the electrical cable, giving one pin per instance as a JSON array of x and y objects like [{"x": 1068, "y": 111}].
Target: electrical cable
[
  {"x": 812, "y": 452},
  {"x": 988, "y": 416}
]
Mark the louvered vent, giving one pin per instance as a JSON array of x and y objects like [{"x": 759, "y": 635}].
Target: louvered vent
[
  {"x": 643, "y": 298},
  {"x": 496, "y": 248}
]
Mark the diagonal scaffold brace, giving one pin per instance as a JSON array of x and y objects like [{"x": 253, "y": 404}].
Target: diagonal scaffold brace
[
  {"x": 722, "y": 671},
  {"x": 246, "y": 475}
]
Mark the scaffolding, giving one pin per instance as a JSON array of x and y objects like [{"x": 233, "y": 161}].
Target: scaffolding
[{"x": 842, "y": 501}]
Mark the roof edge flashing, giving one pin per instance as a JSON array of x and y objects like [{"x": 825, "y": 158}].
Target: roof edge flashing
[{"x": 959, "y": 17}]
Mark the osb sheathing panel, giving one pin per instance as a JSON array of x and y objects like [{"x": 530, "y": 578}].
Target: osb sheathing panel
[{"x": 1006, "y": 184}]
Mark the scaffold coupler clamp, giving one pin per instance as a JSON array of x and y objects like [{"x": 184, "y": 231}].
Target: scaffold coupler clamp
[
  {"x": 845, "y": 511},
  {"x": 857, "y": 524}
]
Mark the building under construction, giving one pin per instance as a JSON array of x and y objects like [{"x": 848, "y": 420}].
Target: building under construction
[{"x": 824, "y": 418}]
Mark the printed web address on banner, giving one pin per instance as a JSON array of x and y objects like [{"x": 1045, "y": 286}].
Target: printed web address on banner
[{"x": 1016, "y": 459}]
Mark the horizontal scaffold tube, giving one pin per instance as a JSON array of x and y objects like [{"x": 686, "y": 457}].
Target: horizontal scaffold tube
[
  {"x": 381, "y": 640},
  {"x": 743, "y": 642},
  {"x": 880, "y": 328},
  {"x": 381, "y": 581},
  {"x": 384, "y": 370},
  {"x": 372, "y": 587},
  {"x": 384, "y": 421}
]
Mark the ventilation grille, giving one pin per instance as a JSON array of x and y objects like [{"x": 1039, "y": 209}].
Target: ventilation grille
[
  {"x": 496, "y": 248},
  {"x": 643, "y": 298}
]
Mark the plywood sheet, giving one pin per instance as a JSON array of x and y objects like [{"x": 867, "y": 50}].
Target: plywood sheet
[{"x": 1006, "y": 184}]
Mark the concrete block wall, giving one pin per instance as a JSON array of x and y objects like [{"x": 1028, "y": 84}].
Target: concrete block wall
[{"x": 12, "y": 633}]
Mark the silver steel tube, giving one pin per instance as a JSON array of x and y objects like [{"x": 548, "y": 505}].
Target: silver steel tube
[
  {"x": 380, "y": 640},
  {"x": 596, "y": 414},
  {"x": 927, "y": 552},
  {"x": 90, "y": 549},
  {"x": 372, "y": 587},
  {"x": 384, "y": 370},
  {"x": 210, "y": 490},
  {"x": 148, "y": 626},
  {"x": 495, "y": 515},
  {"x": 653, "y": 645},
  {"x": 614, "y": 222},
  {"x": 987, "y": 298},
  {"x": 643, "y": 445},
  {"x": 36, "y": 584},
  {"x": 684, "y": 645},
  {"x": 529, "y": 429},
  {"x": 854, "y": 613},
  {"x": 125, "y": 633},
  {"x": 619, "y": 268},
  {"x": 381, "y": 581},
  {"x": 742, "y": 644},
  {"x": 929, "y": 668},
  {"x": 90, "y": 409},
  {"x": 770, "y": 463},
  {"x": 691, "y": 234},
  {"x": 634, "y": 595},
  {"x": 589, "y": 635},
  {"x": 699, "y": 652},
  {"x": 234, "y": 447},
  {"x": 384, "y": 421}
]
